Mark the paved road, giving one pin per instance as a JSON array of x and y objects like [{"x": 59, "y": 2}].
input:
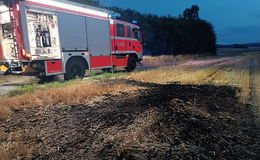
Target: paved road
[{"x": 10, "y": 82}]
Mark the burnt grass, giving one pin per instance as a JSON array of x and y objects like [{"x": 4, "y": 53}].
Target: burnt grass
[{"x": 170, "y": 121}]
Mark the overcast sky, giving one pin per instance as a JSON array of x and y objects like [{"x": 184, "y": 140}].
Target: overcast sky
[{"x": 235, "y": 21}]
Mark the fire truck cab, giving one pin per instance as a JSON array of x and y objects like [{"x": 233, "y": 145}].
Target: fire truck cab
[{"x": 50, "y": 38}]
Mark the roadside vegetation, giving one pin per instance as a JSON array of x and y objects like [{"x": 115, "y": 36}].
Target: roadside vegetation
[
  {"x": 228, "y": 71},
  {"x": 53, "y": 93},
  {"x": 164, "y": 60},
  {"x": 31, "y": 88}
]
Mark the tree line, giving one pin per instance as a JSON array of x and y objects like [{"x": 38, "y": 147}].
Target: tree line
[{"x": 185, "y": 34}]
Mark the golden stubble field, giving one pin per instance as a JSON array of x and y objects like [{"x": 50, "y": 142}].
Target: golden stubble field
[{"x": 228, "y": 71}]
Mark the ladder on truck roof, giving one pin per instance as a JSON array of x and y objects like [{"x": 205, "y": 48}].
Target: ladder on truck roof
[
  {"x": 13, "y": 66},
  {"x": 14, "y": 36},
  {"x": 9, "y": 4}
]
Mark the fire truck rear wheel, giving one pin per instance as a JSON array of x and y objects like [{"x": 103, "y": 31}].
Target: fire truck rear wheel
[
  {"x": 131, "y": 65},
  {"x": 75, "y": 68}
]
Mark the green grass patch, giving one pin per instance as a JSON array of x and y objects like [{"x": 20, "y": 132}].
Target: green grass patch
[
  {"x": 106, "y": 75},
  {"x": 30, "y": 88}
]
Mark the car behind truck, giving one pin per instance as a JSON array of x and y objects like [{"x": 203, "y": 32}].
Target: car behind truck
[{"x": 61, "y": 38}]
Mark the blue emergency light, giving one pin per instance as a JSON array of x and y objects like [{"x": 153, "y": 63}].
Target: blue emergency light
[{"x": 134, "y": 21}]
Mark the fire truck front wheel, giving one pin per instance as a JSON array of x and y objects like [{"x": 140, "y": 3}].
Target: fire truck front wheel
[
  {"x": 131, "y": 65},
  {"x": 75, "y": 68}
]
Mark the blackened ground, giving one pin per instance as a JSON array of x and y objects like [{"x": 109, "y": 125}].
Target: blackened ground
[{"x": 170, "y": 121}]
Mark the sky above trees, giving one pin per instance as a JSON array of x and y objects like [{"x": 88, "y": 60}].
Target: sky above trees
[{"x": 235, "y": 21}]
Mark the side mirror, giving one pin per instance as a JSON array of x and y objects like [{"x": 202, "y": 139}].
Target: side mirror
[{"x": 142, "y": 36}]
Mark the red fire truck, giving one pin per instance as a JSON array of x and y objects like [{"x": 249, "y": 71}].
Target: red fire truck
[{"x": 51, "y": 38}]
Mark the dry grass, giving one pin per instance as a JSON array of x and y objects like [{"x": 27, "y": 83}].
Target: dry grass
[
  {"x": 236, "y": 76},
  {"x": 231, "y": 71},
  {"x": 167, "y": 59},
  {"x": 68, "y": 95},
  {"x": 170, "y": 74},
  {"x": 224, "y": 71},
  {"x": 133, "y": 134},
  {"x": 5, "y": 112},
  {"x": 13, "y": 145}
]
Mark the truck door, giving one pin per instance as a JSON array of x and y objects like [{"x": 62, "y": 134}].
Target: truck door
[
  {"x": 129, "y": 41},
  {"x": 120, "y": 39},
  {"x": 138, "y": 40},
  {"x": 73, "y": 34},
  {"x": 99, "y": 43}
]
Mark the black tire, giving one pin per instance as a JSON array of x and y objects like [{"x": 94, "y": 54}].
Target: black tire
[
  {"x": 131, "y": 65},
  {"x": 75, "y": 68}
]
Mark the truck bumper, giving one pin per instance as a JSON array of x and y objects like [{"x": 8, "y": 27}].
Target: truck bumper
[{"x": 17, "y": 70}]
